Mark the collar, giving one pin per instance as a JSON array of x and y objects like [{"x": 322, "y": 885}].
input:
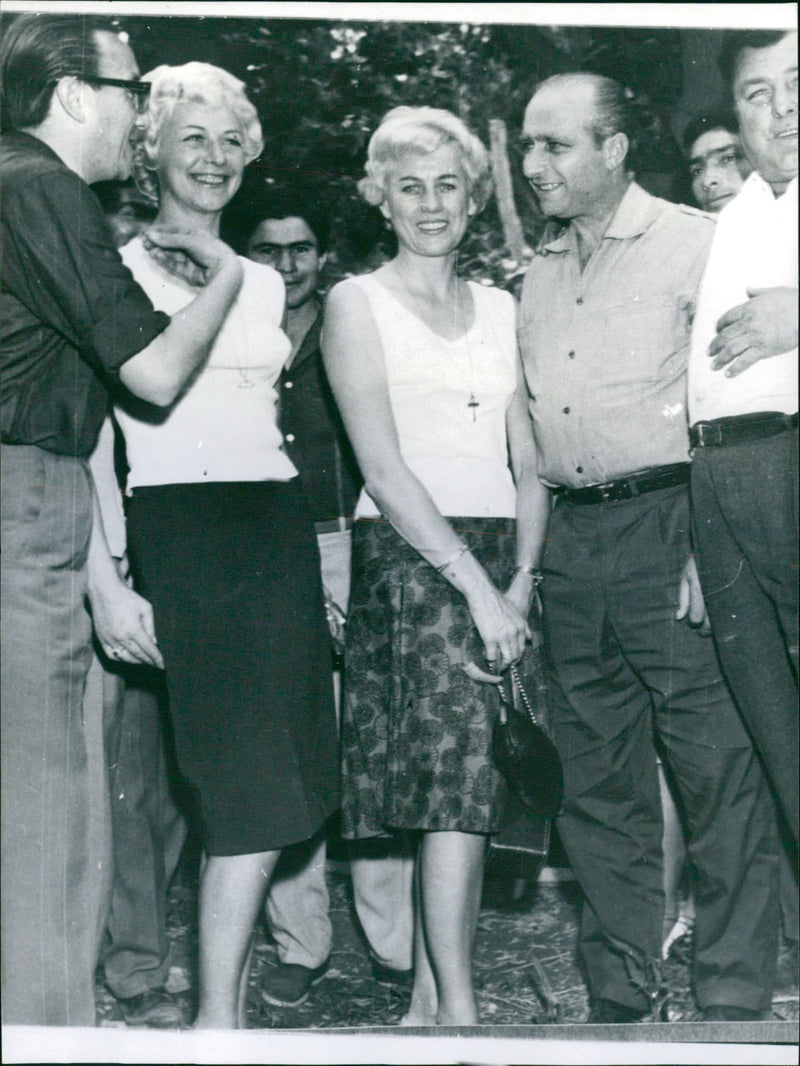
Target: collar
[
  {"x": 755, "y": 185},
  {"x": 310, "y": 343},
  {"x": 634, "y": 215},
  {"x": 16, "y": 139}
]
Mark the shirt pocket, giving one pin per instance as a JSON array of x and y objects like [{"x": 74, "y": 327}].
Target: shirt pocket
[{"x": 640, "y": 338}]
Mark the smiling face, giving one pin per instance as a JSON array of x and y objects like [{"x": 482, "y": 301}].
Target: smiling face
[
  {"x": 200, "y": 158},
  {"x": 288, "y": 245},
  {"x": 428, "y": 201},
  {"x": 571, "y": 175},
  {"x": 765, "y": 98},
  {"x": 717, "y": 168}
]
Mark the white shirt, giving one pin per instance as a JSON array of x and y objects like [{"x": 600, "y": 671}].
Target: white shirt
[
  {"x": 459, "y": 452},
  {"x": 754, "y": 247},
  {"x": 224, "y": 426}
]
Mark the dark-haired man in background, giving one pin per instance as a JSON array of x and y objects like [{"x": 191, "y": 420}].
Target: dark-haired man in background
[
  {"x": 743, "y": 416},
  {"x": 290, "y": 230},
  {"x": 717, "y": 165},
  {"x": 604, "y": 333},
  {"x": 74, "y": 324}
]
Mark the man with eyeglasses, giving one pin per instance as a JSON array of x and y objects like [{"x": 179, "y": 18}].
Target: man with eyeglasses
[{"x": 74, "y": 325}]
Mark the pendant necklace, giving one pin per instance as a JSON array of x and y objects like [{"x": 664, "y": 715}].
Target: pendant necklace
[
  {"x": 246, "y": 382},
  {"x": 472, "y": 403}
]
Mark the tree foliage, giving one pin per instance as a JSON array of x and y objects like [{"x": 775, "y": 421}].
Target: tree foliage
[{"x": 321, "y": 88}]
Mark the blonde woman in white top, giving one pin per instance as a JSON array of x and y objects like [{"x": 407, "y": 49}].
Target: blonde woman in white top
[
  {"x": 223, "y": 547},
  {"x": 424, "y": 369}
]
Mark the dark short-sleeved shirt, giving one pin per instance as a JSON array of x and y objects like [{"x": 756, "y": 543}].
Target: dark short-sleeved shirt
[
  {"x": 71, "y": 312},
  {"x": 605, "y": 350},
  {"x": 314, "y": 435}
]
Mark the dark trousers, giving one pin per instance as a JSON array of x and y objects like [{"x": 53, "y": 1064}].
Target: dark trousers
[
  {"x": 745, "y": 500},
  {"x": 53, "y": 776},
  {"x": 147, "y": 830},
  {"x": 622, "y": 668}
]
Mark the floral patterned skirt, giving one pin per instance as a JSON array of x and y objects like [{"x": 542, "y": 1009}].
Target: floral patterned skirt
[{"x": 416, "y": 729}]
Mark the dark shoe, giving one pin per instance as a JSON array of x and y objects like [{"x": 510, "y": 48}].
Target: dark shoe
[
  {"x": 154, "y": 1009},
  {"x": 787, "y": 978},
  {"x": 609, "y": 1012},
  {"x": 720, "y": 1012},
  {"x": 288, "y": 985},
  {"x": 387, "y": 975}
]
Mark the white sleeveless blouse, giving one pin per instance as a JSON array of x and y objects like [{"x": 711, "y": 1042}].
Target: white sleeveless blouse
[
  {"x": 224, "y": 426},
  {"x": 457, "y": 450}
]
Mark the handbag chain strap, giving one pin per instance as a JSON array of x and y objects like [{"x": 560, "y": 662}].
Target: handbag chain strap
[{"x": 523, "y": 695}]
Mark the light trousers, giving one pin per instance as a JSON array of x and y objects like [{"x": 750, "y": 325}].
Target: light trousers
[{"x": 382, "y": 872}]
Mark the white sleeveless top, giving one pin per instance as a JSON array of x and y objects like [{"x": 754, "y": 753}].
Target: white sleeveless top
[
  {"x": 459, "y": 452},
  {"x": 224, "y": 426}
]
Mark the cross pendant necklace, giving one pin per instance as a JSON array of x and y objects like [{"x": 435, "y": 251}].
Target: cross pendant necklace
[{"x": 472, "y": 403}]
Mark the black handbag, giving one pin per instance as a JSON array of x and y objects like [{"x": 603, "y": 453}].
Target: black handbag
[{"x": 523, "y": 751}]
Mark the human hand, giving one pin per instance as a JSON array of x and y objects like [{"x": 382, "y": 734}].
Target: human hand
[
  {"x": 192, "y": 255},
  {"x": 502, "y": 627},
  {"x": 691, "y": 604},
  {"x": 123, "y": 623},
  {"x": 764, "y": 326},
  {"x": 523, "y": 592}
]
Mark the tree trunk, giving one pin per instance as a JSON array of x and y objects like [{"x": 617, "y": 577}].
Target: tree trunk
[{"x": 501, "y": 171}]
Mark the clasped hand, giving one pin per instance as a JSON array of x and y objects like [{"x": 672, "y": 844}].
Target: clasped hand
[
  {"x": 764, "y": 326},
  {"x": 503, "y": 630}
]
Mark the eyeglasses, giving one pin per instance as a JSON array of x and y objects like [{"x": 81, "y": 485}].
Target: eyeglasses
[{"x": 139, "y": 91}]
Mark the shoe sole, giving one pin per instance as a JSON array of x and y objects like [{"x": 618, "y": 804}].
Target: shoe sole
[{"x": 275, "y": 1002}]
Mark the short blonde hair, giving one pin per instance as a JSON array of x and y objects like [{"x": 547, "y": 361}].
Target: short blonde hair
[
  {"x": 405, "y": 130},
  {"x": 196, "y": 83}
]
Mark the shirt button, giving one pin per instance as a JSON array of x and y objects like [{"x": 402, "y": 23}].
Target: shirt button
[
  {"x": 566, "y": 410},
  {"x": 579, "y": 300},
  {"x": 572, "y": 355},
  {"x": 287, "y": 384},
  {"x": 579, "y": 469},
  {"x": 290, "y": 437}
]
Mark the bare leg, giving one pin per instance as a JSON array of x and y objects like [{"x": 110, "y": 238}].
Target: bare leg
[
  {"x": 451, "y": 878},
  {"x": 231, "y": 893},
  {"x": 424, "y": 1003}
]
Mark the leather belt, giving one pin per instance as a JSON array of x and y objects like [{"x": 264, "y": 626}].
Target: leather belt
[
  {"x": 740, "y": 428},
  {"x": 334, "y": 525},
  {"x": 626, "y": 488}
]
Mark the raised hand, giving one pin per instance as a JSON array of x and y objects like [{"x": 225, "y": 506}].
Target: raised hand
[{"x": 192, "y": 255}]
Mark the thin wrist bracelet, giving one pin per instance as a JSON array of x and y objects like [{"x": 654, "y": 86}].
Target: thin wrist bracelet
[
  {"x": 453, "y": 558},
  {"x": 536, "y": 574}
]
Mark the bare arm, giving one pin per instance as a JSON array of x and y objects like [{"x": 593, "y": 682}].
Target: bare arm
[
  {"x": 123, "y": 620},
  {"x": 159, "y": 372},
  {"x": 356, "y": 370},
  {"x": 533, "y": 498}
]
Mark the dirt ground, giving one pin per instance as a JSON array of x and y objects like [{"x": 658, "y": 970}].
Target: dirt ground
[{"x": 526, "y": 968}]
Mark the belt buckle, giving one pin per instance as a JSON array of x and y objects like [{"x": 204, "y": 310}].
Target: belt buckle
[
  {"x": 708, "y": 433},
  {"x": 606, "y": 492}
]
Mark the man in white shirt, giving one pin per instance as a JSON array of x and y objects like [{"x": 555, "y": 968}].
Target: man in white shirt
[{"x": 743, "y": 411}]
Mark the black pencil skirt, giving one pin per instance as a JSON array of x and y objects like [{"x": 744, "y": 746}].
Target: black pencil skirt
[{"x": 232, "y": 571}]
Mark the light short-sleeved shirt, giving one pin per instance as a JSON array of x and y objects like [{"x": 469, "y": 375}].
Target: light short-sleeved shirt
[
  {"x": 755, "y": 247},
  {"x": 605, "y": 351}
]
